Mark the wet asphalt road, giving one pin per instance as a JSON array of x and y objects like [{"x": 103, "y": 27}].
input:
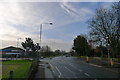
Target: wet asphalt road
[{"x": 71, "y": 67}]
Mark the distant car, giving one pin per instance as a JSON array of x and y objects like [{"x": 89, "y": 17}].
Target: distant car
[
  {"x": 67, "y": 56},
  {"x": 50, "y": 58},
  {"x": 41, "y": 57}
]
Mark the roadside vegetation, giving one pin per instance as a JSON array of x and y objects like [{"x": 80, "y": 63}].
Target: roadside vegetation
[
  {"x": 20, "y": 68},
  {"x": 103, "y": 40}
]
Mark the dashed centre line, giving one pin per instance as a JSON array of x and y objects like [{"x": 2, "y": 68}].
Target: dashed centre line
[
  {"x": 76, "y": 68},
  {"x": 69, "y": 70},
  {"x": 80, "y": 70},
  {"x": 86, "y": 74}
]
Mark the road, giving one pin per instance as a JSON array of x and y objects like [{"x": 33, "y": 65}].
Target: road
[{"x": 71, "y": 67}]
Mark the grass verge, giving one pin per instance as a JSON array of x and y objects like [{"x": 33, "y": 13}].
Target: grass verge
[{"x": 20, "y": 68}]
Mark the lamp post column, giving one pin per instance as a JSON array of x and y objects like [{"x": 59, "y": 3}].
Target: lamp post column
[{"x": 40, "y": 33}]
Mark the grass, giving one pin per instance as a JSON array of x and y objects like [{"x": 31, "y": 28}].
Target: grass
[
  {"x": 20, "y": 68},
  {"x": 0, "y": 70}
]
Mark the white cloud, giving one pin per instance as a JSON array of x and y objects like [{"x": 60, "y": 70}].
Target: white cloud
[
  {"x": 32, "y": 14},
  {"x": 53, "y": 43},
  {"x": 59, "y": 0},
  {"x": 10, "y": 12},
  {"x": 78, "y": 14},
  {"x": 22, "y": 19},
  {"x": 57, "y": 44}
]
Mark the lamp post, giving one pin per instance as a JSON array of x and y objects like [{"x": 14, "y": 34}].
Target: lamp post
[
  {"x": 41, "y": 32},
  {"x": 18, "y": 41},
  {"x": 17, "y": 46}
]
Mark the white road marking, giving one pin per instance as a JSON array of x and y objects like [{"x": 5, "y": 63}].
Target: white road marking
[
  {"x": 58, "y": 71},
  {"x": 95, "y": 65},
  {"x": 80, "y": 70},
  {"x": 71, "y": 71},
  {"x": 75, "y": 67},
  {"x": 90, "y": 64},
  {"x": 86, "y": 74},
  {"x": 51, "y": 65}
]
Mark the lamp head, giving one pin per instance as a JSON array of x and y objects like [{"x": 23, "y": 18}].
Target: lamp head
[{"x": 50, "y": 23}]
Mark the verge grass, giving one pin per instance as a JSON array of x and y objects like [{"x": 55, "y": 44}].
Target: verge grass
[{"x": 20, "y": 68}]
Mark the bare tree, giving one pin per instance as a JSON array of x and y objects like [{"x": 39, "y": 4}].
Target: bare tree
[
  {"x": 45, "y": 49},
  {"x": 106, "y": 25}
]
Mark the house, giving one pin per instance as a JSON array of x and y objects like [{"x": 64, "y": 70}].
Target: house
[{"x": 11, "y": 51}]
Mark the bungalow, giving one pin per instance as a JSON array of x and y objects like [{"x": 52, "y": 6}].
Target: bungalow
[{"x": 11, "y": 51}]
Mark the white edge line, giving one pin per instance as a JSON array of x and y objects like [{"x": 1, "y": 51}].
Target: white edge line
[
  {"x": 51, "y": 65},
  {"x": 104, "y": 68},
  {"x": 95, "y": 65},
  {"x": 58, "y": 71}
]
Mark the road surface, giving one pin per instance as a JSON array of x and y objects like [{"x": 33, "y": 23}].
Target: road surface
[{"x": 71, "y": 67}]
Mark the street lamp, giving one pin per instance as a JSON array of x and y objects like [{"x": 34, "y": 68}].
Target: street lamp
[
  {"x": 18, "y": 41},
  {"x": 17, "y": 46},
  {"x": 41, "y": 30}
]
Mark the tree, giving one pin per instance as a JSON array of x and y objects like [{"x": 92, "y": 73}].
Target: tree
[
  {"x": 45, "y": 49},
  {"x": 72, "y": 52},
  {"x": 60, "y": 52},
  {"x": 80, "y": 45},
  {"x": 57, "y": 51},
  {"x": 98, "y": 51},
  {"x": 106, "y": 25},
  {"x": 30, "y": 45}
]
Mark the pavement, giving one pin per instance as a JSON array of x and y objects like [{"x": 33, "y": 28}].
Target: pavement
[
  {"x": 40, "y": 73},
  {"x": 73, "y": 68},
  {"x": 44, "y": 72}
]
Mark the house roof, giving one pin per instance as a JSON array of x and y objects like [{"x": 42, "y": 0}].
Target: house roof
[{"x": 11, "y": 49}]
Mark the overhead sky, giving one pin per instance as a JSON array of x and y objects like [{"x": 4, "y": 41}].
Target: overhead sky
[{"x": 23, "y": 19}]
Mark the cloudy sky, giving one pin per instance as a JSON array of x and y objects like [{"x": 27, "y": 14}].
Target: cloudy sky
[{"x": 23, "y": 19}]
